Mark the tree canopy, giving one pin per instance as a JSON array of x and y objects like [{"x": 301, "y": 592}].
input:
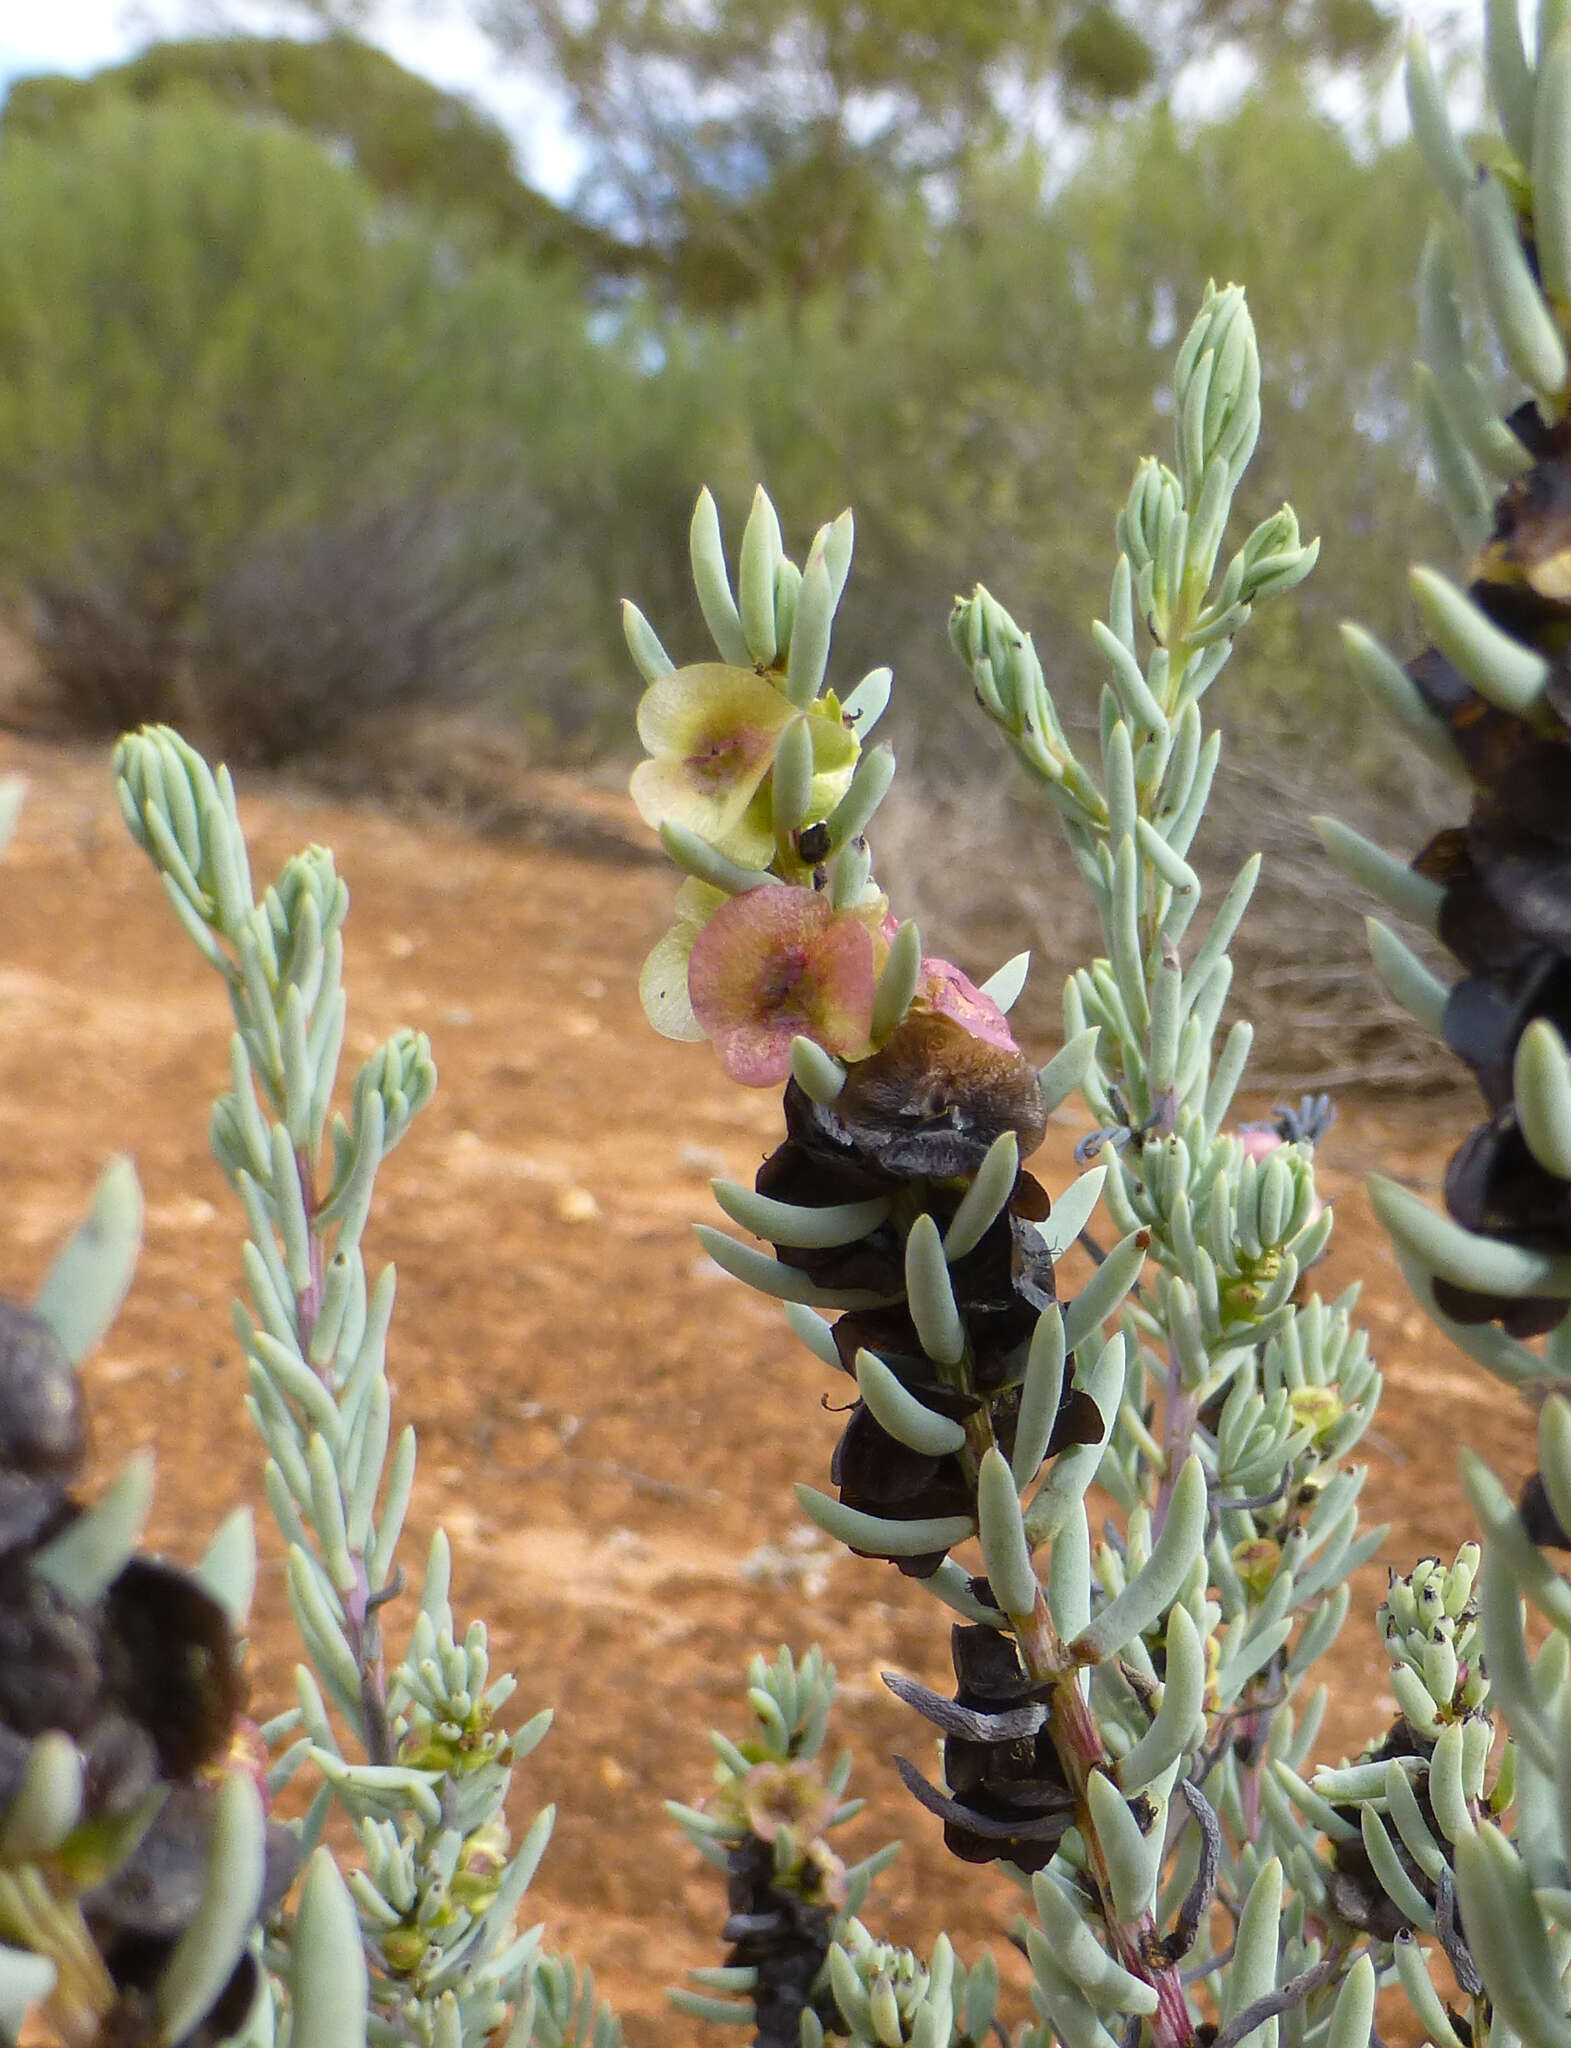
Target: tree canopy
[
  {"x": 762, "y": 146},
  {"x": 406, "y": 137}
]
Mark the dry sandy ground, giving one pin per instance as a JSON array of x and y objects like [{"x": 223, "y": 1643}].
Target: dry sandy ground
[{"x": 608, "y": 1427}]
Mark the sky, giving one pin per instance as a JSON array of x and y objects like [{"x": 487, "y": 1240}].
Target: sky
[{"x": 434, "y": 37}]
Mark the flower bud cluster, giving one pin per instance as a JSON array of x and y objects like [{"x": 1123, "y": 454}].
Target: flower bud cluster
[
  {"x": 887, "y": 1997},
  {"x": 1429, "y": 1622},
  {"x": 1395, "y": 1818},
  {"x": 443, "y": 1877}
]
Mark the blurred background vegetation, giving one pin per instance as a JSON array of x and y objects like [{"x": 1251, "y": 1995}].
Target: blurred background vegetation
[{"x": 314, "y": 417}]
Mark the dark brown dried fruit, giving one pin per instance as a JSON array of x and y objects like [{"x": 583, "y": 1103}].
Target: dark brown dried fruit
[
  {"x": 930, "y": 1103},
  {"x": 41, "y": 1426},
  {"x": 169, "y": 1660}
]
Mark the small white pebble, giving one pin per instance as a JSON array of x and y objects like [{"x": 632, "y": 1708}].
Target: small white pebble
[{"x": 701, "y": 1159}]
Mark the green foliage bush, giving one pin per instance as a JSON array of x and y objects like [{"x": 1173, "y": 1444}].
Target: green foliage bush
[
  {"x": 221, "y": 364},
  {"x": 275, "y": 455}
]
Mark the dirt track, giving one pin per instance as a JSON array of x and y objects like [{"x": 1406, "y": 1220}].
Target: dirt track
[{"x": 609, "y": 1429}]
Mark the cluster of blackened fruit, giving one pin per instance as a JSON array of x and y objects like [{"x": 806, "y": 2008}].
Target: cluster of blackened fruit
[
  {"x": 145, "y": 1681},
  {"x": 784, "y": 1936},
  {"x": 1506, "y": 874},
  {"x": 1008, "y": 1797},
  {"x": 913, "y": 1123}
]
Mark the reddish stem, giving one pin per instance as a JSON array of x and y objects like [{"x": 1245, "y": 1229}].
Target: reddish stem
[{"x": 1081, "y": 1751}]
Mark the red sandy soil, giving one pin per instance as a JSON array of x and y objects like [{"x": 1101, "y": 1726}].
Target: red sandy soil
[{"x": 609, "y": 1428}]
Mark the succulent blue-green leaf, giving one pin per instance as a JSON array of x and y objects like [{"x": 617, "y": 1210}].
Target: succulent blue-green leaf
[
  {"x": 721, "y": 2012},
  {"x": 1040, "y": 1395},
  {"x": 1505, "y": 1933},
  {"x": 712, "y": 582},
  {"x": 1254, "y": 1968},
  {"x": 1104, "y": 1292},
  {"x": 82, "y": 1294},
  {"x": 1353, "y": 2015},
  {"x": 789, "y": 1223},
  {"x": 1421, "y": 993},
  {"x": 1410, "y": 895},
  {"x": 215, "y": 1936},
  {"x": 1468, "y": 401},
  {"x": 1133, "y": 1854},
  {"x": 1081, "y": 1957},
  {"x": 1180, "y": 1715},
  {"x": 1511, "y": 1545},
  {"x": 812, "y": 623},
  {"x": 1063, "y": 1489},
  {"x": 695, "y": 856},
  {"x": 1523, "y": 323},
  {"x": 896, "y": 1409},
  {"x": 868, "y": 787},
  {"x": 1389, "y": 685},
  {"x": 791, "y": 781},
  {"x": 877, "y": 1535},
  {"x": 1067, "y": 1068},
  {"x": 1457, "y": 1255},
  {"x": 951, "y": 1584},
  {"x": 897, "y": 982},
  {"x": 1006, "y": 1554},
  {"x": 1390, "y": 1870},
  {"x": 228, "y": 1565},
  {"x": 1499, "y": 666},
  {"x": 1073, "y": 1209},
  {"x": 13, "y": 790},
  {"x": 1063, "y": 2005},
  {"x": 1541, "y": 1086},
  {"x": 1552, "y": 168},
  {"x": 93, "y": 1551},
  {"x": 868, "y": 702},
  {"x": 1444, "y": 157},
  {"x": 760, "y": 555},
  {"x": 811, "y": 1329},
  {"x": 643, "y": 644},
  {"x": 786, "y": 1283},
  {"x": 24, "y": 1980},
  {"x": 983, "y": 1200},
  {"x": 930, "y": 1294},
  {"x": 1448, "y": 1792},
  {"x": 1463, "y": 491},
  {"x": 1428, "y": 2007},
  {"x": 1509, "y": 74},
  {"x": 1156, "y": 1585},
  {"x": 327, "y": 1973},
  {"x": 1004, "y": 984},
  {"x": 48, "y": 1802},
  {"x": 817, "y": 1073}
]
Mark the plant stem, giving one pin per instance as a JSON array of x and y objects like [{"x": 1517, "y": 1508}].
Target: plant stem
[
  {"x": 1081, "y": 1750},
  {"x": 362, "y": 1628}
]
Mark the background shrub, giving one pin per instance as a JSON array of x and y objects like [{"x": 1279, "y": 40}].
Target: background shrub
[{"x": 231, "y": 379}]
